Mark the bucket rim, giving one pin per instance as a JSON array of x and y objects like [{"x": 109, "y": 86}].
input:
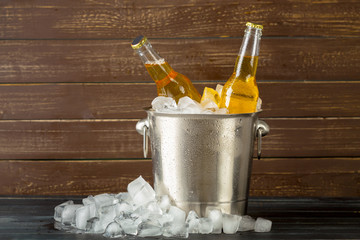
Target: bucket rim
[{"x": 151, "y": 111}]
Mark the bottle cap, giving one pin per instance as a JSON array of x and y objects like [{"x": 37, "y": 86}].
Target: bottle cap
[
  {"x": 254, "y": 25},
  {"x": 138, "y": 42}
]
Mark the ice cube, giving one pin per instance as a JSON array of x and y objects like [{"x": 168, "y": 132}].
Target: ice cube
[
  {"x": 141, "y": 192},
  {"x": 208, "y": 111},
  {"x": 205, "y": 225},
  {"x": 60, "y": 208},
  {"x": 222, "y": 111},
  {"x": 142, "y": 213},
  {"x": 166, "y": 219},
  {"x": 246, "y": 223},
  {"x": 189, "y": 106},
  {"x": 149, "y": 228},
  {"x": 105, "y": 200},
  {"x": 124, "y": 197},
  {"x": 91, "y": 224},
  {"x": 176, "y": 230},
  {"x": 66, "y": 228},
  {"x": 178, "y": 214},
  {"x": 209, "y": 104},
  {"x": 258, "y": 105},
  {"x": 92, "y": 210},
  {"x": 123, "y": 207},
  {"x": 154, "y": 208},
  {"x": 164, "y": 203},
  {"x": 107, "y": 216},
  {"x": 262, "y": 225},
  {"x": 83, "y": 214},
  {"x": 219, "y": 89},
  {"x": 192, "y": 220},
  {"x": 163, "y": 104},
  {"x": 128, "y": 225},
  {"x": 114, "y": 230},
  {"x": 68, "y": 214},
  {"x": 89, "y": 200},
  {"x": 217, "y": 219},
  {"x": 230, "y": 223}
]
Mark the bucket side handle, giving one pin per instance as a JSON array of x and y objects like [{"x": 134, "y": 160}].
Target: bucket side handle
[
  {"x": 262, "y": 129},
  {"x": 142, "y": 127}
]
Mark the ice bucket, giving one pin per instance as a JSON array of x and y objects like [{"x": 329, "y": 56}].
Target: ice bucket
[{"x": 203, "y": 160}]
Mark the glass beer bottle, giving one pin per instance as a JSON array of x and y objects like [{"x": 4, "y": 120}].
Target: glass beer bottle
[
  {"x": 240, "y": 93},
  {"x": 168, "y": 82}
]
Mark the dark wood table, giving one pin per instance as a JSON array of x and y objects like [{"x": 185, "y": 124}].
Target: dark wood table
[{"x": 293, "y": 218}]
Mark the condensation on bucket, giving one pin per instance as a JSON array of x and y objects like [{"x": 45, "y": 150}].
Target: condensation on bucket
[{"x": 203, "y": 160}]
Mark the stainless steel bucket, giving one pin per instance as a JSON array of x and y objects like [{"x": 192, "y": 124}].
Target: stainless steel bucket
[{"x": 203, "y": 160}]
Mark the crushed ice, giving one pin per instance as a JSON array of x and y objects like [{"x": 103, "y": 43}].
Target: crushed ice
[{"x": 139, "y": 212}]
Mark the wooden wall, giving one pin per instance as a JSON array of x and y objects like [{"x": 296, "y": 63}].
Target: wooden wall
[{"x": 72, "y": 89}]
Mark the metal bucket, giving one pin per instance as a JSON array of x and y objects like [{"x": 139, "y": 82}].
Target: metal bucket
[{"x": 203, "y": 160}]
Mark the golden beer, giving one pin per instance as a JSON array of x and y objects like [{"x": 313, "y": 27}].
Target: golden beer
[
  {"x": 168, "y": 82},
  {"x": 240, "y": 93}
]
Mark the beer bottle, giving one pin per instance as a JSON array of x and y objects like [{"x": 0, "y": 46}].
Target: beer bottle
[
  {"x": 168, "y": 82},
  {"x": 240, "y": 93}
]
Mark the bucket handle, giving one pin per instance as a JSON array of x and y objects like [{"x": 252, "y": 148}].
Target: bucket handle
[
  {"x": 262, "y": 129},
  {"x": 142, "y": 127}
]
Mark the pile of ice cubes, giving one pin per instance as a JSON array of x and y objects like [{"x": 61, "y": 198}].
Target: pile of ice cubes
[
  {"x": 185, "y": 105},
  {"x": 139, "y": 212}
]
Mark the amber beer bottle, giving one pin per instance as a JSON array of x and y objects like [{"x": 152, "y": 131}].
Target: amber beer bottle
[
  {"x": 240, "y": 93},
  {"x": 168, "y": 82}
]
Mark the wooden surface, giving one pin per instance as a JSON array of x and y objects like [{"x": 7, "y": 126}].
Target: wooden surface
[
  {"x": 292, "y": 218},
  {"x": 72, "y": 89},
  {"x": 84, "y": 61},
  {"x": 113, "y": 101},
  {"x": 270, "y": 176},
  {"x": 181, "y": 19}
]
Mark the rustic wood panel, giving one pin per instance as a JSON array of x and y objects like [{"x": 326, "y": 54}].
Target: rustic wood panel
[
  {"x": 271, "y": 177},
  {"x": 71, "y": 88},
  {"x": 321, "y": 177},
  {"x": 70, "y": 177},
  {"x": 30, "y": 61},
  {"x": 126, "y": 100},
  {"x": 321, "y": 137},
  {"x": 201, "y": 18},
  {"x": 67, "y": 139},
  {"x": 113, "y": 138}
]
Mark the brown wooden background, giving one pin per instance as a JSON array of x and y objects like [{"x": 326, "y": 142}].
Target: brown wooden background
[{"x": 72, "y": 90}]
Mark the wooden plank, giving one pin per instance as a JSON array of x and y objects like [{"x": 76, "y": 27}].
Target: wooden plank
[
  {"x": 321, "y": 137},
  {"x": 331, "y": 177},
  {"x": 116, "y": 138},
  {"x": 76, "y": 101},
  {"x": 203, "y": 18},
  {"x": 68, "y": 139},
  {"x": 30, "y": 61},
  {"x": 71, "y": 177},
  {"x": 125, "y": 100},
  {"x": 306, "y": 177}
]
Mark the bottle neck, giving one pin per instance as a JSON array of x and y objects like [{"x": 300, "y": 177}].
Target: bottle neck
[
  {"x": 149, "y": 56},
  {"x": 249, "y": 52},
  {"x": 156, "y": 66}
]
